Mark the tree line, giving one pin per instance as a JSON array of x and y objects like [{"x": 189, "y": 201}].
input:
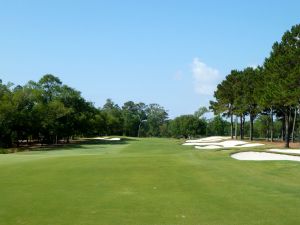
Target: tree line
[
  {"x": 48, "y": 112},
  {"x": 269, "y": 91}
]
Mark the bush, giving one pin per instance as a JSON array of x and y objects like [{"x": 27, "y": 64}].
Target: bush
[{"x": 3, "y": 151}]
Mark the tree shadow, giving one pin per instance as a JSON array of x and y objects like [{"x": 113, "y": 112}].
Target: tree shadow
[{"x": 84, "y": 143}]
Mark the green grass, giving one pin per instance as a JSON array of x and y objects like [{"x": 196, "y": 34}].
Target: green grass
[{"x": 145, "y": 181}]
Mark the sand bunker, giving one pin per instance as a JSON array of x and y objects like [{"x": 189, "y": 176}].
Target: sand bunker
[
  {"x": 250, "y": 145},
  {"x": 208, "y": 139},
  {"x": 207, "y": 143},
  {"x": 101, "y": 138},
  {"x": 223, "y": 143},
  {"x": 208, "y": 147},
  {"x": 230, "y": 144},
  {"x": 289, "y": 151},
  {"x": 264, "y": 156},
  {"x": 107, "y": 139},
  {"x": 114, "y": 139}
]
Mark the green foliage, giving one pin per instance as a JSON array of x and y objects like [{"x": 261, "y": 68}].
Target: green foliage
[
  {"x": 218, "y": 126},
  {"x": 282, "y": 75},
  {"x": 273, "y": 88},
  {"x": 113, "y": 117},
  {"x": 48, "y": 111},
  {"x": 7, "y": 111},
  {"x": 187, "y": 126},
  {"x": 133, "y": 114},
  {"x": 45, "y": 111},
  {"x": 156, "y": 117},
  {"x": 201, "y": 112},
  {"x": 282, "y": 69}
]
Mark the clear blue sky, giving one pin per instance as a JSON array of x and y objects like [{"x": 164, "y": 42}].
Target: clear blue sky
[{"x": 168, "y": 52}]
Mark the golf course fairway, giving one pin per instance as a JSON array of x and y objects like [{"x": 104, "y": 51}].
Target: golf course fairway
[{"x": 145, "y": 182}]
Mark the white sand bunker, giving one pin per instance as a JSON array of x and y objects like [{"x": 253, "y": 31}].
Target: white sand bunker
[
  {"x": 289, "y": 151},
  {"x": 264, "y": 156},
  {"x": 221, "y": 142},
  {"x": 107, "y": 139},
  {"x": 101, "y": 138},
  {"x": 208, "y": 147},
  {"x": 251, "y": 145},
  {"x": 209, "y": 139}
]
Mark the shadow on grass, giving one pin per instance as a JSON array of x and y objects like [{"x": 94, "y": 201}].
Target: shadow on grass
[{"x": 76, "y": 144}]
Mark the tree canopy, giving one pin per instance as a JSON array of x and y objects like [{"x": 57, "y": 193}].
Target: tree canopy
[{"x": 274, "y": 87}]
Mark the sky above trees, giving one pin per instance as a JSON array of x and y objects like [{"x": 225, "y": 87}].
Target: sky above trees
[{"x": 169, "y": 52}]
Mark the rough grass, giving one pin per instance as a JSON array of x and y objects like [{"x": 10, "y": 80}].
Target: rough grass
[{"x": 145, "y": 181}]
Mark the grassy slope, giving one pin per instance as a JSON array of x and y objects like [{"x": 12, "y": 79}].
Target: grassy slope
[{"x": 149, "y": 181}]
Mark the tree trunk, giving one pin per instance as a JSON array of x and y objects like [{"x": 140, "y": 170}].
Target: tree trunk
[
  {"x": 268, "y": 131},
  {"x": 231, "y": 126},
  {"x": 283, "y": 129},
  {"x": 294, "y": 124},
  {"x": 272, "y": 126},
  {"x": 236, "y": 125},
  {"x": 139, "y": 130},
  {"x": 241, "y": 127},
  {"x": 287, "y": 129},
  {"x": 251, "y": 128}
]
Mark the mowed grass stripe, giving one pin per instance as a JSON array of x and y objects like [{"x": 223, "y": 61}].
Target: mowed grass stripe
[{"x": 147, "y": 181}]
